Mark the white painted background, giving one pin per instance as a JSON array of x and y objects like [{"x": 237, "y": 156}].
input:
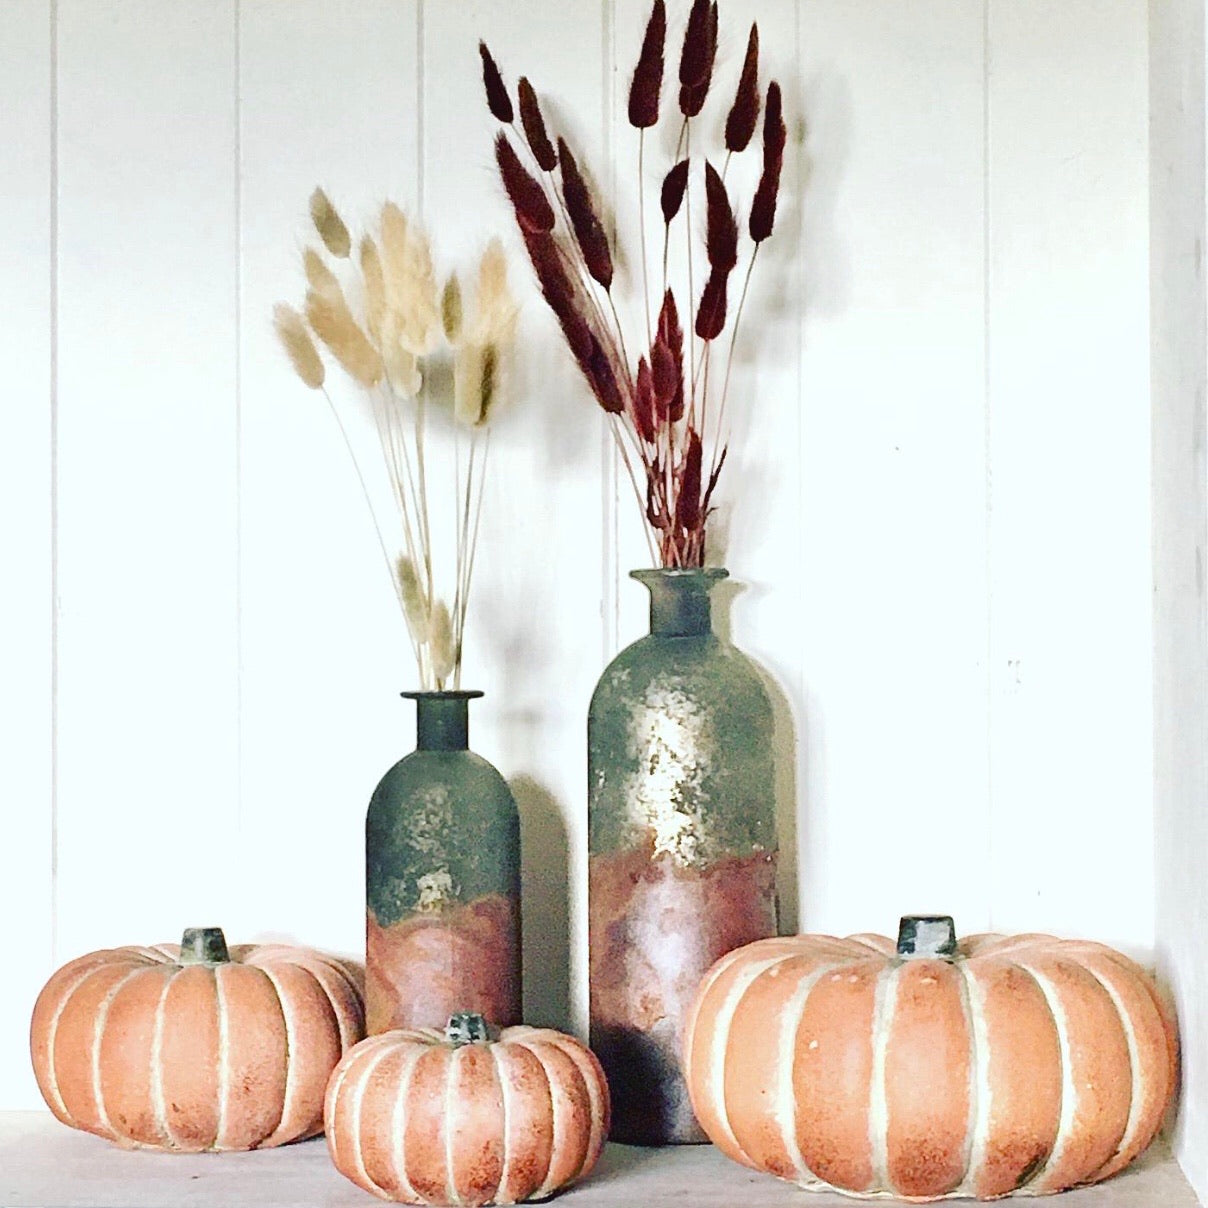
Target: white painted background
[{"x": 939, "y": 502}]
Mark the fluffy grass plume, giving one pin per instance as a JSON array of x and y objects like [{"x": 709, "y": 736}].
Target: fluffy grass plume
[
  {"x": 330, "y": 225},
  {"x": 332, "y": 321},
  {"x": 299, "y": 347}
]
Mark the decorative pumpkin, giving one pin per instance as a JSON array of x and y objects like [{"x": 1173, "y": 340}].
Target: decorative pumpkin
[
  {"x": 1005, "y": 1064},
  {"x": 195, "y": 1048},
  {"x": 457, "y": 1117}
]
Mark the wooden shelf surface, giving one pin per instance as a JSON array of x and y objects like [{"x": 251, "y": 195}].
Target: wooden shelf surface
[{"x": 45, "y": 1165}]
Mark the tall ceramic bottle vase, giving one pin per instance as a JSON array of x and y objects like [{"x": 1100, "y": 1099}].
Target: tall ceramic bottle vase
[
  {"x": 682, "y": 840},
  {"x": 442, "y": 881}
]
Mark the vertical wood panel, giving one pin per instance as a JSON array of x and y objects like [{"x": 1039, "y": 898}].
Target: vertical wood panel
[
  {"x": 1069, "y": 423},
  {"x": 147, "y": 773},
  {"x": 893, "y": 609},
  {"x": 26, "y": 638},
  {"x": 535, "y": 630},
  {"x": 1180, "y": 531},
  {"x": 328, "y": 96}
]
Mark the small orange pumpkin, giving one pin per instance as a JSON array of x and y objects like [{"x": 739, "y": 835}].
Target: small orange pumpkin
[
  {"x": 930, "y": 1069},
  {"x": 426, "y": 1117},
  {"x": 195, "y": 1048}
]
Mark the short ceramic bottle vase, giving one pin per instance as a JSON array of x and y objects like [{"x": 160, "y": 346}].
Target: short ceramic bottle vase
[
  {"x": 442, "y": 881},
  {"x": 682, "y": 839}
]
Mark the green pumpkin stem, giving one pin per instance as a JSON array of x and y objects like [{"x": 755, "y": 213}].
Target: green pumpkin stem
[
  {"x": 927, "y": 935},
  {"x": 467, "y": 1027},
  {"x": 203, "y": 946}
]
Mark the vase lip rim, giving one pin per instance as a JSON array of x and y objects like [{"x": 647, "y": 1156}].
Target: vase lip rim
[
  {"x": 654, "y": 573},
  {"x": 442, "y": 694}
]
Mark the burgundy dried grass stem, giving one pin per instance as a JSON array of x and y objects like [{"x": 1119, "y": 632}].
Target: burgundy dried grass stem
[
  {"x": 744, "y": 113},
  {"x": 533, "y": 123},
  {"x": 498, "y": 101}
]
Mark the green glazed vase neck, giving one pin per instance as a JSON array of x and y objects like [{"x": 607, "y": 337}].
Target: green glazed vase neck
[
  {"x": 442, "y": 720},
  {"x": 679, "y": 600}
]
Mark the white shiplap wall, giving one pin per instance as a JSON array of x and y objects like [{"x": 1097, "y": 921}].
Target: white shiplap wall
[{"x": 940, "y": 481}]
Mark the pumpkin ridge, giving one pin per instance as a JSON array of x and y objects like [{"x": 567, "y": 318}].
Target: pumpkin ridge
[
  {"x": 587, "y": 1097},
  {"x": 159, "y": 1107},
  {"x": 543, "y": 1188},
  {"x": 1136, "y": 1101},
  {"x": 291, "y": 1080},
  {"x": 505, "y": 1113},
  {"x": 355, "y": 996},
  {"x": 339, "y": 1076},
  {"x": 52, "y": 1077},
  {"x": 398, "y": 1125},
  {"x": 98, "y": 1031},
  {"x": 599, "y": 1110},
  {"x": 1065, "y": 1118},
  {"x": 366, "y": 1073},
  {"x": 786, "y": 1098},
  {"x": 717, "y": 1035}
]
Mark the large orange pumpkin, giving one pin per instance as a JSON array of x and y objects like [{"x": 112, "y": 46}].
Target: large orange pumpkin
[
  {"x": 929, "y": 1069},
  {"x": 195, "y": 1048},
  {"x": 455, "y": 1117}
]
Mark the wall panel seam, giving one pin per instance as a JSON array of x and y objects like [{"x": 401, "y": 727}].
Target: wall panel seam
[
  {"x": 237, "y": 16},
  {"x": 53, "y": 402},
  {"x": 988, "y": 449}
]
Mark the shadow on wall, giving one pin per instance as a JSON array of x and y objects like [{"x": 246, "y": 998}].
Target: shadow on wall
[
  {"x": 784, "y": 750},
  {"x": 545, "y": 894}
]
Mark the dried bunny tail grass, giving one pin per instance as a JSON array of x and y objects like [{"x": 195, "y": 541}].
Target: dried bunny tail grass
[
  {"x": 420, "y": 302},
  {"x": 498, "y": 101},
  {"x": 477, "y": 383},
  {"x": 415, "y": 604},
  {"x": 299, "y": 347},
  {"x": 700, "y": 51},
  {"x": 711, "y": 314},
  {"x": 763, "y": 207},
  {"x": 402, "y": 366},
  {"x": 534, "y": 214},
  {"x": 744, "y": 113},
  {"x": 671, "y": 196},
  {"x": 441, "y": 648},
  {"x": 589, "y": 233},
  {"x": 495, "y": 308},
  {"x": 330, "y": 225},
  {"x": 534, "y": 127},
  {"x": 721, "y": 229},
  {"x": 332, "y": 322},
  {"x": 319, "y": 277},
  {"x": 450, "y": 309},
  {"x": 375, "y": 287},
  {"x": 648, "y": 75}
]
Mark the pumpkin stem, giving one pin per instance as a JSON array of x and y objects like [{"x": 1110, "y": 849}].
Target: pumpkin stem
[
  {"x": 467, "y": 1027},
  {"x": 931, "y": 935},
  {"x": 203, "y": 946}
]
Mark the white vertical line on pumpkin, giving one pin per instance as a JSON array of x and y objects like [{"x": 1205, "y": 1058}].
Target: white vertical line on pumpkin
[
  {"x": 98, "y": 1032},
  {"x": 977, "y": 1131},
  {"x": 159, "y": 1106},
  {"x": 288, "y": 1091},
  {"x": 557, "y": 1128},
  {"x": 224, "y": 1058},
  {"x": 52, "y": 1028},
  {"x": 373, "y": 1058},
  {"x": 785, "y": 1102},
  {"x": 1136, "y": 1104},
  {"x": 334, "y": 1097},
  {"x": 452, "y": 1077},
  {"x": 320, "y": 968},
  {"x": 1069, "y": 1090},
  {"x": 884, "y": 1008},
  {"x": 398, "y": 1127},
  {"x": 718, "y": 1035},
  {"x": 506, "y": 1114}
]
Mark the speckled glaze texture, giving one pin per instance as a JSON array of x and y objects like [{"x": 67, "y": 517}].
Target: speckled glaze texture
[
  {"x": 137, "y": 1048},
  {"x": 414, "y": 1118},
  {"x": 1019, "y": 1065},
  {"x": 682, "y": 838},
  {"x": 442, "y": 881}
]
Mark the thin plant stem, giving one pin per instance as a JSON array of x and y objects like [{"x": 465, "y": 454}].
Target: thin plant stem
[
  {"x": 642, "y": 230},
  {"x": 725, "y": 386}
]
